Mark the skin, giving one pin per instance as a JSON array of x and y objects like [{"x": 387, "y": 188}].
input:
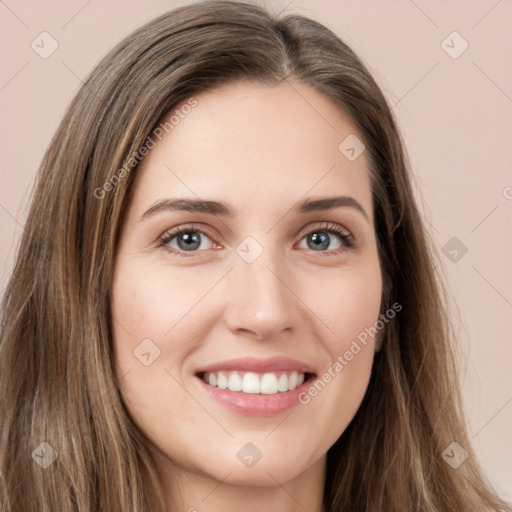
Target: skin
[{"x": 260, "y": 149}]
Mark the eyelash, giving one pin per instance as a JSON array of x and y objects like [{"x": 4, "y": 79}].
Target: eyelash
[{"x": 346, "y": 238}]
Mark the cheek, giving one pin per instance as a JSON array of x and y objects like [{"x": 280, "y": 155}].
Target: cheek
[
  {"x": 348, "y": 307},
  {"x": 155, "y": 322},
  {"x": 154, "y": 305},
  {"x": 347, "y": 304},
  {"x": 149, "y": 341}
]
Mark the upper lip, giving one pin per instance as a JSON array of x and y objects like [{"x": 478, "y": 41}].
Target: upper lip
[{"x": 252, "y": 364}]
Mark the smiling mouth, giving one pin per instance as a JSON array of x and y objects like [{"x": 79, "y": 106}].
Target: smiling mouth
[{"x": 269, "y": 383}]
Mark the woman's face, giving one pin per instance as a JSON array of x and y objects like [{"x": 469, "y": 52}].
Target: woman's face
[{"x": 259, "y": 291}]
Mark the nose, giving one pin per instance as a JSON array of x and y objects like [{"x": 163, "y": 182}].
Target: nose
[{"x": 262, "y": 302}]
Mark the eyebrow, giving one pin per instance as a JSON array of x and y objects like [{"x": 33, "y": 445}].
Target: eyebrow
[{"x": 222, "y": 209}]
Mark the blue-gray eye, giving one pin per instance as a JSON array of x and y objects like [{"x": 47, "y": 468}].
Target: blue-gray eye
[
  {"x": 319, "y": 240},
  {"x": 186, "y": 240}
]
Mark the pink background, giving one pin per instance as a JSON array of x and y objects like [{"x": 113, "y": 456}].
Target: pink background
[{"x": 455, "y": 115}]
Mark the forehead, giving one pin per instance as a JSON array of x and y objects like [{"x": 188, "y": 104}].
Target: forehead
[{"x": 252, "y": 145}]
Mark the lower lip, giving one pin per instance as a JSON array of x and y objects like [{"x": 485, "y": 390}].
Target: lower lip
[{"x": 256, "y": 404}]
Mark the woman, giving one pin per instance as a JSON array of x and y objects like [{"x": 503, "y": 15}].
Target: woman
[{"x": 224, "y": 292}]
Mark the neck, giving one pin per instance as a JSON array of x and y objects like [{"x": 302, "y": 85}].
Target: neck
[{"x": 190, "y": 491}]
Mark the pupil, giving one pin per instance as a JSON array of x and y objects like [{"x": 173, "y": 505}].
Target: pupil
[
  {"x": 319, "y": 240},
  {"x": 192, "y": 241}
]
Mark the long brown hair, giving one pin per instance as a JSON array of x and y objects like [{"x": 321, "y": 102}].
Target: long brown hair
[{"x": 57, "y": 380}]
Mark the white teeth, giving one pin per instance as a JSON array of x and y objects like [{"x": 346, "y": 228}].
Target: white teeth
[
  {"x": 269, "y": 384},
  {"x": 282, "y": 383},
  {"x": 251, "y": 382},
  {"x": 222, "y": 381},
  {"x": 292, "y": 381},
  {"x": 234, "y": 382}
]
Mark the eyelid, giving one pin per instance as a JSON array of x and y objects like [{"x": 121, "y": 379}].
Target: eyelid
[{"x": 326, "y": 225}]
